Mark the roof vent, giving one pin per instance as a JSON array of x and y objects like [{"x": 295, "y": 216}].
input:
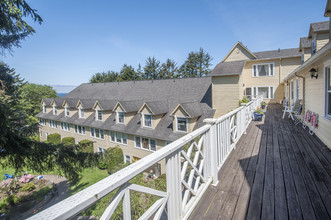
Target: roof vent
[{"x": 278, "y": 49}]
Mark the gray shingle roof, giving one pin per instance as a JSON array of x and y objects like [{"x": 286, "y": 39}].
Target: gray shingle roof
[
  {"x": 228, "y": 68},
  {"x": 158, "y": 107},
  {"x": 161, "y": 95},
  {"x": 107, "y": 104},
  {"x": 58, "y": 101},
  {"x": 192, "y": 108},
  {"x": 305, "y": 42},
  {"x": 87, "y": 103},
  {"x": 293, "y": 52},
  {"x": 131, "y": 106},
  {"x": 72, "y": 103},
  {"x": 47, "y": 101},
  {"x": 320, "y": 26}
]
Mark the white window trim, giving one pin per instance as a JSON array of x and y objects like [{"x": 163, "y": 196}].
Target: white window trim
[
  {"x": 101, "y": 150},
  {"x": 63, "y": 129},
  {"x": 54, "y": 110},
  {"x": 325, "y": 100},
  {"x": 144, "y": 121},
  {"x": 84, "y": 134},
  {"x": 115, "y": 135},
  {"x": 97, "y": 115},
  {"x": 255, "y": 91},
  {"x": 176, "y": 120},
  {"x": 80, "y": 113},
  {"x": 129, "y": 157},
  {"x": 257, "y": 73},
  {"x": 117, "y": 118},
  {"x": 292, "y": 90},
  {"x": 52, "y": 124},
  {"x": 141, "y": 144},
  {"x": 44, "y": 108},
  {"x": 101, "y": 131},
  {"x": 66, "y": 110},
  {"x": 297, "y": 89}
]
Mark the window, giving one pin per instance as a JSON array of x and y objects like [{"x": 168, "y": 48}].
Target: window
[
  {"x": 328, "y": 93},
  {"x": 313, "y": 46},
  {"x": 52, "y": 124},
  {"x": 54, "y": 110},
  {"x": 145, "y": 143},
  {"x": 118, "y": 137},
  {"x": 147, "y": 120},
  {"x": 99, "y": 115},
  {"x": 81, "y": 113},
  {"x": 44, "y": 108},
  {"x": 181, "y": 124},
  {"x": 42, "y": 121},
  {"x": 297, "y": 88},
  {"x": 65, "y": 126},
  {"x": 101, "y": 150},
  {"x": 67, "y": 111},
  {"x": 40, "y": 133},
  {"x": 292, "y": 90},
  {"x": 120, "y": 117},
  {"x": 127, "y": 159},
  {"x": 79, "y": 129},
  {"x": 97, "y": 133},
  {"x": 248, "y": 93},
  {"x": 266, "y": 69},
  {"x": 267, "y": 92}
]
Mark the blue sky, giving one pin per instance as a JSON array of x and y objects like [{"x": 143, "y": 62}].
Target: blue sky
[{"x": 79, "y": 38}]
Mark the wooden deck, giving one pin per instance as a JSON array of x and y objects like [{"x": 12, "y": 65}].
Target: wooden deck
[{"x": 277, "y": 171}]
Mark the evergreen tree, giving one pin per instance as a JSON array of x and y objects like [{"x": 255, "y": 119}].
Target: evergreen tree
[
  {"x": 196, "y": 65},
  {"x": 128, "y": 73},
  {"x": 152, "y": 68},
  {"x": 168, "y": 69},
  {"x": 110, "y": 76}
]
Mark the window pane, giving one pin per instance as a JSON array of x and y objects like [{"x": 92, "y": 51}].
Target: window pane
[
  {"x": 254, "y": 69},
  {"x": 124, "y": 139},
  {"x": 112, "y": 136},
  {"x": 138, "y": 142},
  {"x": 148, "y": 120},
  {"x": 121, "y": 117},
  {"x": 328, "y": 78},
  {"x": 102, "y": 134},
  {"x": 118, "y": 137},
  {"x": 97, "y": 133},
  {"x": 271, "y": 92},
  {"x": 329, "y": 103},
  {"x": 264, "y": 92},
  {"x": 263, "y": 70},
  {"x": 145, "y": 143},
  {"x": 127, "y": 159},
  {"x": 153, "y": 145},
  {"x": 271, "y": 69},
  {"x": 181, "y": 124}
]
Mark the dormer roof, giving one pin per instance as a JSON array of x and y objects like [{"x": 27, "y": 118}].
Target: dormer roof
[
  {"x": 304, "y": 43},
  {"x": 105, "y": 104},
  {"x": 129, "y": 106},
  {"x": 47, "y": 101},
  {"x": 318, "y": 27},
  {"x": 155, "y": 107},
  {"x": 71, "y": 103},
  {"x": 86, "y": 103},
  {"x": 192, "y": 109}
]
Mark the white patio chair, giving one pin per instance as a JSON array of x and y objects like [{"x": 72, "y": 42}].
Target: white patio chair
[
  {"x": 291, "y": 109},
  {"x": 298, "y": 115}
]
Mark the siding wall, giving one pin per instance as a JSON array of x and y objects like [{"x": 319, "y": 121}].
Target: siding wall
[
  {"x": 225, "y": 94},
  {"x": 321, "y": 40},
  {"x": 239, "y": 53},
  {"x": 128, "y": 149}
]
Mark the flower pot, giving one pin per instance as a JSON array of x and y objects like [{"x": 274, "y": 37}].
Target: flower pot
[
  {"x": 257, "y": 116},
  {"x": 263, "y": 106}
]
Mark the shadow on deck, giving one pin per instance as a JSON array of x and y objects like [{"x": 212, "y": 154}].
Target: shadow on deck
[{"x": 277, "y": 171}]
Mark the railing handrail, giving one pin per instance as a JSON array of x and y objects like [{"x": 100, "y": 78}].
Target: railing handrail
[{"x": 85, "y": 198}]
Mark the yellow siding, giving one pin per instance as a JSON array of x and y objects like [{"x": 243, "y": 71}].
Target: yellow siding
[
  {"x": 321, "y": 40},
  {"x": 225, "y": 93},
  {"x": 239, "y": 53}
]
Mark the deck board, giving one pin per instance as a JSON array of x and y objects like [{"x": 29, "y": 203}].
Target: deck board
[{"x": 277, "y": 171}]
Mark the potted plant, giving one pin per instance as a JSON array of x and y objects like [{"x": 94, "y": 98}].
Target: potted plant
[
  {"x": 263, "y": 104},
  {"x": 258, "y": 114}
]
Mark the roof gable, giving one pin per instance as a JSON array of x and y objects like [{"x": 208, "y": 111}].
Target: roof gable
[
  {"x": 239, "y": 52},
  {"x": 155, "y": 107},
  {"x": 318, "y": 27},
  {"x": 192, "y": 109}
]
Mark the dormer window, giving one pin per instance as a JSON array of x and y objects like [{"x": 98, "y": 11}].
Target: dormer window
[
  {"x": 120, "y": 117},
  {"x": 81, "y": 113},
  {"x": 98, "y": 115},
  {"x": 44, "y": 108},
  {"x": 313, "y": 46},
  {"x": 67, "y": 111},
  {"x": 147, "y": 122},
  {"x": 54, "y": 110},
  {"x": 265, "y": 69},
  {"x": 181, "y": 124}
]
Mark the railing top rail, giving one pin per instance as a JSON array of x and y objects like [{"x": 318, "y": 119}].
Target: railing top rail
[{"x": 83, "y": 199}]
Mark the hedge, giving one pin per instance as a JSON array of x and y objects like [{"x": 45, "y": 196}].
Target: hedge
[
  {"x": 54, "y": 138},
  {"x": 86, "y": 146},
  {"x": 68, "y": 141},
  {"x": 114, "y": 158}
]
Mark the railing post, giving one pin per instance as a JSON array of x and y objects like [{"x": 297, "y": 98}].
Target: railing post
[
  {"x": 174, "y": 185},
  {"x": 211, "y": 151},
  {"x": 245, "y": 114}
]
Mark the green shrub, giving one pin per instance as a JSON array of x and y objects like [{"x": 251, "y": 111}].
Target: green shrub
[
  {"x": 113, "y": 157},
  {"x": 86, "y": 146},
  {"x": 68, "y": 141},
  {"x": 3, "y": 204},
  {"x": 54, "y": 138},
  {"x": 119, "y": 167},
  {"x": 28, "y": 187},
  {"x": 102, "y": 165},
  {"x": 243, "y": 100}
]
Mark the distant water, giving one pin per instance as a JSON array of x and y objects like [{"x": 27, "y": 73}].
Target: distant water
[{"x": 62, "y": 94}]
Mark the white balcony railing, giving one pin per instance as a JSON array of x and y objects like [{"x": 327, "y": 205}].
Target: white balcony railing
[{"x": 192, "y": 164}]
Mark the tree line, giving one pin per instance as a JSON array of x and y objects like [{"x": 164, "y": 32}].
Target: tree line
[{"x": 196, "y": 65}]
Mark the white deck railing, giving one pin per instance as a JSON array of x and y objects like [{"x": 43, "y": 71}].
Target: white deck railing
[{"x": 192, "y": 164}]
